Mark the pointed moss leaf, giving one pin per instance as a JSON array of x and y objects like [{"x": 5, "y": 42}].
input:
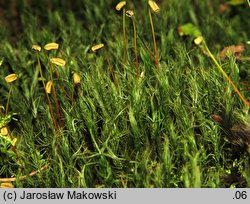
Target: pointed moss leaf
[
  {"x": 236, "y": 2},
  {"x": 133, "y": 122},
  {"x": 5, "y": 119},
  {"x": 1, "y": 62},
  {"x": 6, "y": 138},
  {"x": 190, "y": 30}
]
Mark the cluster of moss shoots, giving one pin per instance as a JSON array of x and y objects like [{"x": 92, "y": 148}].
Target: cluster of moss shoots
[{"x": 54, "y": 63}]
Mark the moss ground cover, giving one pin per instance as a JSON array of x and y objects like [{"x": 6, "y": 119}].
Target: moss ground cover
[{"x": 95, "y": 99}]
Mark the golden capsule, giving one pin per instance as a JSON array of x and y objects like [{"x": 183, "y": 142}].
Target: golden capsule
[
  {"x": 6, "y": 185},
  {"x": 97, "y": 47},
  {"x": 36, "y": 48},
  {"x": 10, "y": 78},
  {"x": 129, "y": 13},
  {"x": 76, "y": 78},
  {"x": 4, "y": 131},
  {"x": 14, "y": 142},
  {"x": 198, "y": 40},
  {"x": 154, "y": 6},
  {"x": 58, "y": 61},
  {"x": 51, "y": 46},
  {"x": 48, "y": 86},
  {"x": 120, "y": 5}
]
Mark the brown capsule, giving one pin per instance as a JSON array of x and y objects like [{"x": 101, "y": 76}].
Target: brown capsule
[{"x": 217, "y": 118}]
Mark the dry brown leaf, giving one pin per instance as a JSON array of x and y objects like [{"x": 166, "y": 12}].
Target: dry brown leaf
[
  {"x": 235, "y": 50},
  {"x": 223, "y": 7}
]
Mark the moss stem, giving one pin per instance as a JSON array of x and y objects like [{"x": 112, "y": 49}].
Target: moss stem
[
  {"x": 135, "y": 49},
  {"x": 225, "y": 75},
  {"x": 8, "y": 101},
  {"x": 154, "y": 41},
  {"x": 124, "y": 36},
  {"x": 47, "y": 95}
]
